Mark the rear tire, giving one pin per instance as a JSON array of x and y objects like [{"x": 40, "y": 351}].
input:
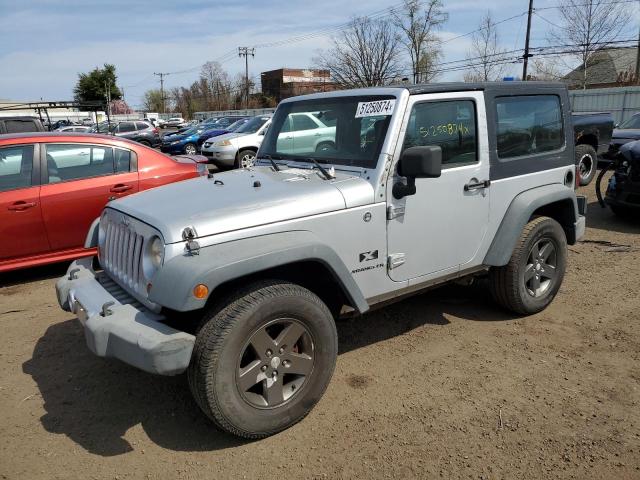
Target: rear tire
[
  {"x": 144, "y": 142},
  {"x": 263, "y": 358},
  {"x": 532, "y": 278},
  {"x": 587, "y": 163}
]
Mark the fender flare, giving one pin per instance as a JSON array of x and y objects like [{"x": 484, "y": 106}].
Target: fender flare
[
  {"x": 518, "y": 214},
  {"x": 92, "y": 235},
  {"x": 221, "y": 263}
]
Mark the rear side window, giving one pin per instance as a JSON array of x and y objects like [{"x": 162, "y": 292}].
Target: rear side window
[
  {"x": 528, "y": 125},
  {"x": 75, "y": 162},
  {"x": 450, "y": 125},
  {"x": 302, "y": 122},
  {"x": 20, "y": 126},
  {"x": 122, "y": 160},
  {"x": 16, "y": 164},
  {"x": 142, "y": 125},
  {"x": 126, "y": 127}
]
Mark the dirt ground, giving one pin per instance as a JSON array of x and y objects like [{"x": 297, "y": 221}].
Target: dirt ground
[{"x": 444, "y": 384}]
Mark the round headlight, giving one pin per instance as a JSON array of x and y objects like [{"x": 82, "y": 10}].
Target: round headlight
[{"x": 156, "y": 252}]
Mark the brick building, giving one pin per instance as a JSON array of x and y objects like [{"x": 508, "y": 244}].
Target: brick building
[{"x": 289, "y": 82}]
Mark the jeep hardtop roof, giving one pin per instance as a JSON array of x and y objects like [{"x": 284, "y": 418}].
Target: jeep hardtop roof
[{"x": 497, "y": 87}]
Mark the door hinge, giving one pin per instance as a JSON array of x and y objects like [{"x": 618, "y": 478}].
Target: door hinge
[
  {"x": 394, "y": 212},
  {"x": 395, "y": 260}
]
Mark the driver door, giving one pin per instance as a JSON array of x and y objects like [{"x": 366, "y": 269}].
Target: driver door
[{"x": 443, "y": 225}]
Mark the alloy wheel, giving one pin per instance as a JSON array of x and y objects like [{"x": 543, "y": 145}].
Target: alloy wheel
[
  {"x": 190, "y": 149},
  {"x": 247, "y": 160},
  {"x": 275, "y": 363},
  {"x": 585, "y": 166},
  {"x": 540, "y": 271}
]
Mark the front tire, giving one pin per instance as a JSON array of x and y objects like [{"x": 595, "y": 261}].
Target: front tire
[
  {"x": 246, "y": 159},
  {"x": 587, "y": 163},
  {"x": 262, "y": 362},
  {"x": 532, "y": 278},
  {"x": 190, "y": 149}
]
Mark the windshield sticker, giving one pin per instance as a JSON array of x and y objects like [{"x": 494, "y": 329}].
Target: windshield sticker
[{"x": 373, "y": 109}]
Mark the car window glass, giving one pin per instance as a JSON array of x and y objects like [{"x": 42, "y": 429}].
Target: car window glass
[
  {"x": 124, "y": 127},
  {"x": 450, "y": 125},
  {"x": 286, "y": 126},
  {"x": 122, "y": 160},
  {"x": 142, "y": 125},
  {"x": 74, "y": 162},
  {"x": 302, "y": 122},
  {"x": 633, "y": 122},
  {"x": 528, "y": 125},
  {"x": 16, "y": 163},
  {"x": 20, "y": 126}
]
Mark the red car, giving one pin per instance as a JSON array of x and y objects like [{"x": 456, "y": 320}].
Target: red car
[{"x": 54, "y": 185}]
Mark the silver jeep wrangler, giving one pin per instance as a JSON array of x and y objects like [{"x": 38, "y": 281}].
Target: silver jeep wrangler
[{"x": 391, "y": 191}]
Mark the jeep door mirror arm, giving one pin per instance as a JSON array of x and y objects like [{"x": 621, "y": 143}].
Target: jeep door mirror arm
[{"x": 417, "y": 162}]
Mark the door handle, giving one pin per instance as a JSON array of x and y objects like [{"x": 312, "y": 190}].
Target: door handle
[
  {"x": 477, "y": 185},
  {"x": 120, "y": 188},
  {"x": 21, "y": 205},
  {"x": 317, "y": 134}
]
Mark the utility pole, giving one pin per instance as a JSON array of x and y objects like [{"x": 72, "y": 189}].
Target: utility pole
[
  {"x": 638, "y": 60},
  {"x": 162, "y": 75},
  {"x": 107, "y": 94},
  {"x": 245, "y": 52},
  {"x": 526, "y": 43}
]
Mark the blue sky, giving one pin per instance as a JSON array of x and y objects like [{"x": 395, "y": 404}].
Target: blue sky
[{"x": 45, "y": 43}]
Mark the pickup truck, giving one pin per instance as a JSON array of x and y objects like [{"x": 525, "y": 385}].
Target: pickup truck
[
  {"x": 420, "y": 185},
  {"x": 20, "y": 125},
  {"x": 592, "y": 133}
]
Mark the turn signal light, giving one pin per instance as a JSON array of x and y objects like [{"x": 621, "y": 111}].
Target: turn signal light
[{"x": 200, "y": 291}]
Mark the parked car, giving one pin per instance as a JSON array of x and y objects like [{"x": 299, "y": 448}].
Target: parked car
[
  {"x": 62, "y": 123},
  {"x": 213, "y": 131},
  {"x": 238, "y": 149},
  {"x": 627, "y": 131},
  {"x": 265, "y": 259},
  {"x": 623, "y": 190},
  {"x": 592, "y": 133},
  {"x": 87, "y": 122},
  {"x": 182, "y": 142},
  {"x": 139, "y": 131},
  {"x": 175, "y": 122},
  {"x": 54, "y": 185},
  {"x": 74, "y": 128},
  {"x": 20, "y": 125}
]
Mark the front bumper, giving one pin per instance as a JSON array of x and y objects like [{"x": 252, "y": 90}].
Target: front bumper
[
  {"x": 221, "y": 155},
  {"x": 116, "y": 326}
]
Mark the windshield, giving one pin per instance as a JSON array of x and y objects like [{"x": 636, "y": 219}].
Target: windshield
[
  {"x": 339, "y": 130},
  {"x": 235, "y": 125},
  {"x": 253, "y": 125},
  {"x": 633, "y": 122}
]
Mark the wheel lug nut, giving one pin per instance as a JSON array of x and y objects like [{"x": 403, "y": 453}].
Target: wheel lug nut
[
  {"x": 281, "y": 350},
  {"x": 269, "y": 353},
  {"x": 263, "y": 368}
]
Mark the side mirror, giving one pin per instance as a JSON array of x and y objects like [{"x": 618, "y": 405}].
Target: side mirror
[{"x": 417, "y": 162}]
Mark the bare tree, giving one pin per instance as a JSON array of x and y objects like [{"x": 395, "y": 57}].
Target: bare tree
[
  {"x": 545, "y": 69},
  {"x": 364, "y": 55},
  {"x": 486, "y": 58},
  {"x": 419, "y": 24},
  {"x": 587, "y": 26}
]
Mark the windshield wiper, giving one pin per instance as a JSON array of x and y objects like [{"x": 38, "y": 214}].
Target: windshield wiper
[
  {"x": 323, "y": 170},
  {"x": 273, "y": 159}
]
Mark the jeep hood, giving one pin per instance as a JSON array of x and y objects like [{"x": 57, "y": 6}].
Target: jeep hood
[{"x": 240, "y": 199}]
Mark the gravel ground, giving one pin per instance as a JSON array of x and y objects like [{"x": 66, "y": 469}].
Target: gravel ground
[{"x": 443, "y": 384}]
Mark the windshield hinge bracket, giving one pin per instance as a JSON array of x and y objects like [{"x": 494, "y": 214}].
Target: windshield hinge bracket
[{"x": 395, "y": 211}]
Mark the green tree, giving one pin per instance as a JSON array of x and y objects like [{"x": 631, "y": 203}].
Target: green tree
[
  {"x": 153, "y": 100},
  {"x": 94, "y": 85}
]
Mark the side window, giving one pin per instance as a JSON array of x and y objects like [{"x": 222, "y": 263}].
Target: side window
[
  {"x": 125, "y": 127},
  {"x": 122, "y": 160},
  {"x": 74, "y": 162},
  {"x": 142, "y": 125},
  {"x": 528, "y": 125},
  {"x": 302, "y": 122},
  {"x": 450, "y": 125},
  {"x": 286, "y": 126},
  {"x": 20, "y": 126},
  {"x": 16, "y": 164}
]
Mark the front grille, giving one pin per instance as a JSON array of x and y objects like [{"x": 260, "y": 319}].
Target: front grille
[
  {"x": 121, "y": 255},
  {"x": 117, "y": 291}
]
